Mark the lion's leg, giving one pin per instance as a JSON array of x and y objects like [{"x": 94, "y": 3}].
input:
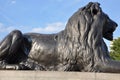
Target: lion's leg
[
  {"x": 10, "y": 51},
  {"x": 10, "y": 45},
  {"x": 4, "y": 46},
  {"x": 109, "y": 66},
  {"x": 5, "y": 66},
  {"x": 30, "y": 64},
  {"x": 24, "y": 65}
]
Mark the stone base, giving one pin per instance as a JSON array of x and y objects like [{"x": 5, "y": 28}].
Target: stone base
[{"x": 49, "y": 75}]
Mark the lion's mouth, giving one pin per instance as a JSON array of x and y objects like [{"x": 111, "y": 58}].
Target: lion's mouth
[{"x": 109, "y": 35}]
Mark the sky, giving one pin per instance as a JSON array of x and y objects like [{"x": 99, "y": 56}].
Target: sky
[{"x": 48, "y": 16}]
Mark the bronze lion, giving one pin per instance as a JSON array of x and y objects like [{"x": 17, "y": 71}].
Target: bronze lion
[{"x": 80, "y": 47}]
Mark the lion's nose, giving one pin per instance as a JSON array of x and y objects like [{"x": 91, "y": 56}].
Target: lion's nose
[
  {"x": 116, "y": 24},
  {"x": 113, "y": 25}
]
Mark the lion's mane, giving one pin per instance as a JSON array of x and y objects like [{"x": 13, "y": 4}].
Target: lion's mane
[{"x": 82, "y": 40}]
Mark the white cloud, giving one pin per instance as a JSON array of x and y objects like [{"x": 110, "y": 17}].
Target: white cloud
[
  {"x": 13, "y": 1},
  {"x": 77, "y": 0},
  {"x": 60, "y": 0},
  {"x": 67, "y": 0},
  {"x": 6, "y": 29},
  {"x": 50, "y": 28}
]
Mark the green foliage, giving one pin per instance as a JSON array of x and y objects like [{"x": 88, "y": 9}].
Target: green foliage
[{"x": 115, "y": 49}]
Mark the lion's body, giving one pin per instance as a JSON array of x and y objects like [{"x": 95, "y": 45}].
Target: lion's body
[
  {"x": 80, "y": 47},
  {"x": 44, "y": 49},
  {"x": 49, "y": 51}
]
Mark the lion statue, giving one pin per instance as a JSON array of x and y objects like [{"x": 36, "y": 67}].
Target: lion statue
[{"x": 80, "y": 47}]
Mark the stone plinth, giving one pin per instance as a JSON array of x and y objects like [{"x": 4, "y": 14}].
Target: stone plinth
[{"x": 49, "y": 75}]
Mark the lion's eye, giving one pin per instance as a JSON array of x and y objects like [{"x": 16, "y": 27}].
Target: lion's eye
[{"x": 94, "y": 11}]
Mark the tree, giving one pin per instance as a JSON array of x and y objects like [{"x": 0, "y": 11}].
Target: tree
[{"x": 115, "y": 49}]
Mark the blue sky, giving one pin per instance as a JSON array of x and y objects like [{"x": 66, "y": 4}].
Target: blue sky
[{"x": 47, "y": 16}]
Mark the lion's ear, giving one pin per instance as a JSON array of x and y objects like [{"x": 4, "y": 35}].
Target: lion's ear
[
  {"x": 94, "y": 11},
  {"x": 95, "y": 8}
]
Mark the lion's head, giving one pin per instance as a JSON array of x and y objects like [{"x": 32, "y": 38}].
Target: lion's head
[
  {"x": 108, "y": 28},
  {"x": 84, "y": 34},
  {"x": 91, "y": 20}
]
